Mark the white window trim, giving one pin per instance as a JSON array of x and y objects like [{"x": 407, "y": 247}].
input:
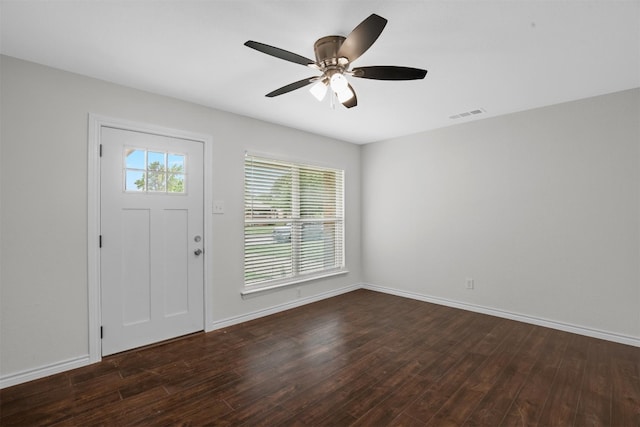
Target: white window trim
[{"x": 256, "y": 289}]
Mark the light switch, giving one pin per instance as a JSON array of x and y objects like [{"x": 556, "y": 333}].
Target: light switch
[{"x": 218, "y": 206}]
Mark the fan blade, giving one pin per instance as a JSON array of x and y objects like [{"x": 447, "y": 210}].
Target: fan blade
[
  {"x": 279, "y": 53},
  {"x": 362, "y": 37},
  {"x": 389, "y": 72},
  {"x": 292, "y": 86},
  {"x": 353, "y": 101}
]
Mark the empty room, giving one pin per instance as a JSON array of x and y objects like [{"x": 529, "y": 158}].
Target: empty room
[{"x": 322, "y": 213}]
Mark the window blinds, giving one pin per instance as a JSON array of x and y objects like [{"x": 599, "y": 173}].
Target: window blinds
[{"x": 294, "y": 221}]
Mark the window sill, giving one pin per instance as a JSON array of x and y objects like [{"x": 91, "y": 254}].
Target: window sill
[{"x": 291, "y": 282}]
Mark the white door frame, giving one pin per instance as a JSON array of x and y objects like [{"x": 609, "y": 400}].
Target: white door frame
[{"x": 96, "y": 122}]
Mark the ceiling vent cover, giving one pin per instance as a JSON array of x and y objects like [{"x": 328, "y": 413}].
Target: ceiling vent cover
[{"x": 468, "y": 113}]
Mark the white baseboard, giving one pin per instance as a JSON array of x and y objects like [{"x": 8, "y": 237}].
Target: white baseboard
[
  {"x": 43, "y": 371},
  {"x": 580, "y": 330},
  {"x": 229, "y": 321},
  {"x": 78, "y": 362}
]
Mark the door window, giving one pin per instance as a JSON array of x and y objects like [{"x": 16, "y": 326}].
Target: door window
[{"x": 154, "y": 172}]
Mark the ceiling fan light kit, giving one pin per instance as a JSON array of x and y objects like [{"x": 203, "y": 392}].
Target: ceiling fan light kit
[
  {"x": 334, "y": 55},
  {"x": 319, "y": 90}
]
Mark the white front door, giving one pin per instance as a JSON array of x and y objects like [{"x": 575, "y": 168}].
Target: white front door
[{"x": 151, "y": 230}]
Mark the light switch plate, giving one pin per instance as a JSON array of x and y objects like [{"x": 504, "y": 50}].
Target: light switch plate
[{"x": 218, "y": 206}]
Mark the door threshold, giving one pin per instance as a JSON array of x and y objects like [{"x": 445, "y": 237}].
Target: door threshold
[{"x": 154, "y": 345}]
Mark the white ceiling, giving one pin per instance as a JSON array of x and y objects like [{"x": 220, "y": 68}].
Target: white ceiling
[{"x": 500, "y": 56}]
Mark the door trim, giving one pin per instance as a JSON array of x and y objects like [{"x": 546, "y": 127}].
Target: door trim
[{"x": 96, "y": 122}]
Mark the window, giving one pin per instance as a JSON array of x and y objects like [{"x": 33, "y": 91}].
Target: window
[
  {"x": 294, "y": 224},
  {"x": 153, "y": 172}
]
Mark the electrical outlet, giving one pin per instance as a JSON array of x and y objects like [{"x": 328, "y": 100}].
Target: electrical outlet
[
  {"x": 298, "y": 292},
  {"x": 469, "y": 283}
]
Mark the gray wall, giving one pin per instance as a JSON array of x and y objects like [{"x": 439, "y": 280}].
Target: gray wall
[
  {"x": 540, "y": 208},
  {"x": 43, "y": 194}
]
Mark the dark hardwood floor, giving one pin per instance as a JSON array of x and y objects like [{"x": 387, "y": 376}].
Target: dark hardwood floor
[{"x": 362, "y": 358}]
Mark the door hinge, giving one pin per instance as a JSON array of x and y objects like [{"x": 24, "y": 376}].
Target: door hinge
[
  {"x": 101, "y": 332},
  {"x": 100, "y": 241},
  {"x": 100, "y": 150}
]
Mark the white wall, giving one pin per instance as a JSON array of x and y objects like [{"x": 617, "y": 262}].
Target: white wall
[
  {"x": 43, "y": 200},
  {"x": 540, "y": 208}
]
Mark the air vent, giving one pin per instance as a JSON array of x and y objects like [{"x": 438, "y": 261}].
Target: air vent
[{"x": 468, "y": 113}]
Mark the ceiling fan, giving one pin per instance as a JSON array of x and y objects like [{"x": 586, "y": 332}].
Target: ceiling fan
[{"x": 334, "y": 55}]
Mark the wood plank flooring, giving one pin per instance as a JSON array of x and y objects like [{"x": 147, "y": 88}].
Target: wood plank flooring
[{"x": 362, "y": 359}]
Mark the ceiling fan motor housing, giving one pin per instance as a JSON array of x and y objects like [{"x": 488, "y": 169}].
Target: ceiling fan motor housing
[{"x": 326, "y": 50}]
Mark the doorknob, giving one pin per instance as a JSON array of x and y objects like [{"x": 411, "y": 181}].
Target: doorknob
[{"x": 197, "y": 252}]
